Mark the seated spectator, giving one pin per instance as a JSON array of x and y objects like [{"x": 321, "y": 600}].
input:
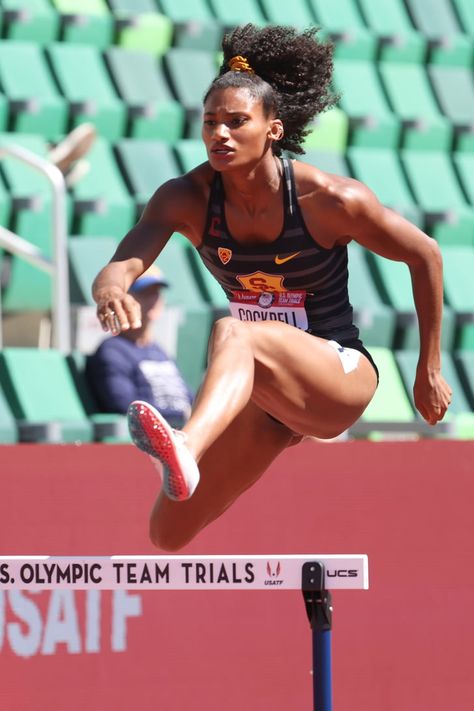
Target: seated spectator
[{"x": 131, "y": 366}]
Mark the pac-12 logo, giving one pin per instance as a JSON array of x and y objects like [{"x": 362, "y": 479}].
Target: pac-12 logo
[{"x": 273, "y": 572}]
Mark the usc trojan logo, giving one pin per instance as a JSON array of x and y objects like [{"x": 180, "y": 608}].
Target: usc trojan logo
[{"x": 259, "y": 281}]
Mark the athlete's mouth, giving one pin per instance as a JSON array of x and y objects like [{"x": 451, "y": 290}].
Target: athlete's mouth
[{"x": 222, "y": 150}]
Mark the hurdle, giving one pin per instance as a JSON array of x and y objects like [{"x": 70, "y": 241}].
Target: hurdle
[{"x": 314, "y": 575}]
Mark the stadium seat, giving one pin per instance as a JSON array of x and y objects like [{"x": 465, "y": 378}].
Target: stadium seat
[
  {"x": 141, "y": 27},
  {"x": 371, "y": 121},
  {"x": 399, "y": 41},
  {"x": 85, "y": 21},
  {"x": 31, "y": 20},
  {"x": 152, "y": 110},
  {"x": 458, "y": 271},
  {"x": 26, "y": 186},
  {"x": 329, "y": 132},
  {"x": 464, "y": 163},
  {"x": 326, "y": 160},
  {"x": 465, "y": 364},
  {"x": 239, "y": 13},
  {"x": 454, "y": 92},
  {"x": 5, "y": 204},
  {"x": 380, "y": 169},
  {"x": 102, "y": 203},
  {"x": 195, "y": 315},
  {"x": 433, "y": 181},
  {"x": 394, "y": 284},
  {"x": 411, "y": 98},
  {"x": 42, "y": 396},
  {"x": 147, "y": 164},
  {"x": 465, "y": 13},
  {"x": 375, "y": 320},
  {"x": 34, "y": 102},
  {"x": 191, "y": 152},
  {"x": 87, "y": 256},
  {"x": 437, "y": 21},
  {"x": 343, "y": 23},
  {"x": 280, "y": 12},
  {"x": 8, "y": 428},
  {"x": 195, "y": 27},
  {"x": 390, "y": 403},
  {"x": 94, "y": 100},
  {"x": 191, "y": 72},
  {"x": 3, "y": 112}
]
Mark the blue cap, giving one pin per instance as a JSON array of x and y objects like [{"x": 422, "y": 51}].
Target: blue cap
[{"x": 152, "y": 277}]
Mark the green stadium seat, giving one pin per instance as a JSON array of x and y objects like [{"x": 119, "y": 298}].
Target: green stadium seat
[
  {"x": 93, "y": 100},
  {"x": 280, "y": 12},
  {"x": 27, "y": 187},
  {"x": 8, "y": 428},
  {"x": 5, "y": 204},
  {"x": 195, "y": 316},
  {"x": 465, "y": 13},
  {"x": 191, "y": 152},
  {"x": 34, "y": 102},
  {"x": 380, "y": 169},
  {"x": 191, "y": 73},
  {"x": 41, "y": 394},
  {"x": 329, "y": 132},
  {"x": 87, "y": 256},
  {"x": 465, "y": 363},
  {"x": 343, "y": 23},
  {"x": 146, "y": 164},
  {"x": 212, "y": 291},
  {"x": 454, "y": 92},
  {"x": 371, "y": 121},
  {"x": 375, "y": 320},
  {"x": 407, "y": 362},
  {"x": 399, "y": 41},
  {"x": 411, "y": 98},
  {"x": 394, "y": 284},
  {"x": 390, "y": 403},
  {"x": 326, "y": 160},
  {"x": 102, "y": 202},
  {"x": 3, "y": 112},
  {"x": 85, "y": 21},
  {"x": 33, "y": 20},
  {"x": 437, "y": 21},
  {"x": 141, "y": 27},
  {"x": 433, "y": 181},
  {"x": 464, "y": 163},
  {"x": 195, "y": 27},
  {"x": 458, "y": 271},
  {"x": 153, "y": 112},
  {"x": 232, "y": 14}
]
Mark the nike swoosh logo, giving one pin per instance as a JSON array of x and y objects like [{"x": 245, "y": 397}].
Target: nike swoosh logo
[{"x": 282, "y": 260}]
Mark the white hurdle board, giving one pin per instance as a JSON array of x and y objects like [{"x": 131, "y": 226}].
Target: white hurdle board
[{"x": 206, "y": 572}]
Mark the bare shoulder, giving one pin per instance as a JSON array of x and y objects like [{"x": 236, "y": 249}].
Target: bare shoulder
[
  {"x": 182, "y": 202},
  {"x": 332, "y": 202}
]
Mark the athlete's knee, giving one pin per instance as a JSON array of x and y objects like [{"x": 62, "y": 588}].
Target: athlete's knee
[{"x": 229, "y": 328}]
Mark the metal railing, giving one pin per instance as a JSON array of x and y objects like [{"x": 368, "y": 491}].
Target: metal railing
[{"x": 57, "y": 267}]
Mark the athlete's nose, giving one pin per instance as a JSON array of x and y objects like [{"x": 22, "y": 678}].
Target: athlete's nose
[{"x": 221, "y": 131}]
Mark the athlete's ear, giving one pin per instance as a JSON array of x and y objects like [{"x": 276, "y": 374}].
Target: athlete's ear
[{"x": 276, "y": 131}]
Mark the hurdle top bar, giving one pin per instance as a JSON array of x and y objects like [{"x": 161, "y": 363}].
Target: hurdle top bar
[{"x": 206, "y": 572}]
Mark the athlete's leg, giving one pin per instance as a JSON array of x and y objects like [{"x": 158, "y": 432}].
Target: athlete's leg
[
  {"x": 296, "y": 377},
  {"x": 235, "y": 461}
]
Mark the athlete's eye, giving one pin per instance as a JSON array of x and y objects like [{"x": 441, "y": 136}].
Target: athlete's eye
[
  {"x": 209, "y": 122},
  {"x": 238, "y": 121}
]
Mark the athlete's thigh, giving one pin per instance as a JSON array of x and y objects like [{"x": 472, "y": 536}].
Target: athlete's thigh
[
  {"x": 235, "y": 461},
  {"x": 300, "y": 380}
]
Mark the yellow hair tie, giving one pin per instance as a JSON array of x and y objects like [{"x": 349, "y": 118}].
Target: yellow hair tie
[{"x": 240, "y": 64}]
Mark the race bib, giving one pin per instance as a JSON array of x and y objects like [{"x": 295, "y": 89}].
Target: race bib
[{"x": 285, "y": 306}]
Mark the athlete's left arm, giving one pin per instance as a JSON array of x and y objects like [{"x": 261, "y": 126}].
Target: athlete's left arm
[{"x": 390, "y": 235}]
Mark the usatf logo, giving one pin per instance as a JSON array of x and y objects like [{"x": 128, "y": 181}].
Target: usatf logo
[
  {"x": 224, "y": 254},
  {"x": 273, "y": 573}
]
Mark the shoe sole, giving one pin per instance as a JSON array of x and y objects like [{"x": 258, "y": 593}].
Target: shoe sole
[{"x": 152, "y": 434}]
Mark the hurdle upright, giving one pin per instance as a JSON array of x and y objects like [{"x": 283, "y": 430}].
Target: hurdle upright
[{"x": 314, "y": 575}]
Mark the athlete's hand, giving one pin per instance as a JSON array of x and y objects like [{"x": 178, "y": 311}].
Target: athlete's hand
[
  {"x": 117, "y": 310},
  {"x": 432, "y": 394}
]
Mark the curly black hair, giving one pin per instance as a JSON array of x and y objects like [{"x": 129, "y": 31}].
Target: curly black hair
[{"x": 292, "y": 76}]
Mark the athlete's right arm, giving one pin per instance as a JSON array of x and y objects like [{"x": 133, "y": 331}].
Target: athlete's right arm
[{"x": 167, "y": 211}]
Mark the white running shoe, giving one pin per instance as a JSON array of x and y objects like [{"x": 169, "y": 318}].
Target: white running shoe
[{"x": 152, "y": 434}]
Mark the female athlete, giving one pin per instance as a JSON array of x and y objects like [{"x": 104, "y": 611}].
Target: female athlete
[{"x": 288, "y": 362}]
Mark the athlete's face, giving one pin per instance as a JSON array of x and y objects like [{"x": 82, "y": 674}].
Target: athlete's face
[{"x": 236, "y": 131}]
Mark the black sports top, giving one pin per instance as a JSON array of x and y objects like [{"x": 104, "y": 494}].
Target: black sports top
[{"x": 290, "y": 279}]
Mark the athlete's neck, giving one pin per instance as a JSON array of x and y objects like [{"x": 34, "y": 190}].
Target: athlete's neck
[{"x": 253, "y": 186}]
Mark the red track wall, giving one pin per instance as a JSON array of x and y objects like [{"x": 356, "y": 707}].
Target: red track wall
[{"x": 406, "y": 644}]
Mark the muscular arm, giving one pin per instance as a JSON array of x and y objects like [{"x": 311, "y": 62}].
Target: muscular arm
[{"x": 360, "y": 216}]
